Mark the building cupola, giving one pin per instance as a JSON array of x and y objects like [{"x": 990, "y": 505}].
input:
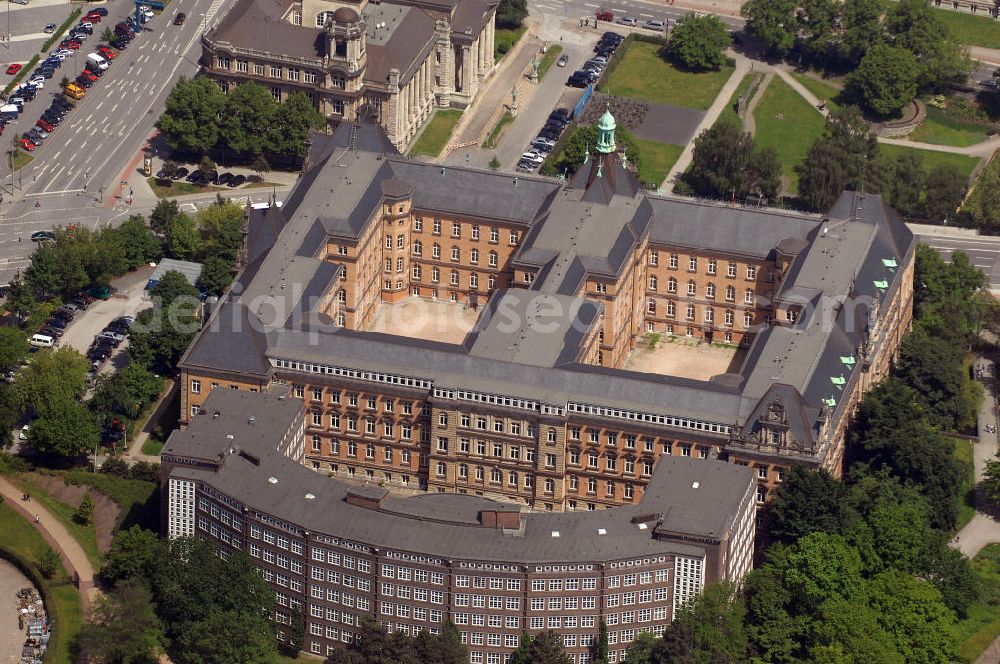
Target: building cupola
[{"x": 606, "y": 133}]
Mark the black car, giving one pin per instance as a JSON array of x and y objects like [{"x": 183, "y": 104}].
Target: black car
[
  {"x": 577, "y": 81},
  {"x": 181, "y": 172},
  {"x": 57, "y": 323},
  {"x": 51, "y": 331},
  {"x": 237, "y": 181},
  {"x": 611, "y": 35},
  {"x": 99, "y": 10},
  {"x": 118, "y": 44},
  {"x": 53, "y": 120},
  {"x": 83, "y": 81},
  {"x": 97, "y": 71},
  {"x": 225, "y": 178},
  {"x": 62, "y": 103},
  {"x": 559, "y": 114}
]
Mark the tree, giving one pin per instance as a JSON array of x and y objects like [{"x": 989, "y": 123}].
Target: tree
[
  {"x": 124, "y": 628},
  {"x": 138, "y": 242},
  {"x": 160, "y": 335},
  {"x": 932, "y": 366},
  {"x": 297, "y": 636},
  {"x": 495, "y": 163},
  {"x": 56, "y": 376},
  {"x": 943, "y": 193},
  {"x": 726, "y": 163},
  {"x": 294, "y": 119},
  {"x": 599, "y": 648},
  {"x": 206, "y": 167},
  {"x": 886, "y": 80},
  {"x": 915, "y": 26},
  {"x": 511, "y": 13},
  {"x": 773, "y": 22},
  {"x": 49, "y": 562},
  {"x": 542, "y": 648},
  {"x": 169, "y": 170},
  {"x": 164, "y": 213},
  {"x": 20, "y": 299},
  {"x": 710, "y": 626},
  {"x": 224, "y": 637},
  {"x": 862, "y": 29},
  {"x": 698, "y": 42},
  {"x": 190, "y": 120},
  {"x": 43, "y": 273},
  {"x": 133, "y": 554},
  {"x": 183, "y": 241},
  {"x": 443, "y": 648},
  {"x": 66, "y": 428},
  {"x": 222, "y": 225},
  {"x": 837, "y": 160},
  {"x": 216, "y": 275},
  {"x": 13, "y": 348},
  {"x": 123, "y": 393},
  {"x": 912, "y": 611},
  {"x": 250, "y": 114},
  {"x": 640, "y": 651},
  {"x": 173, "y": 287},
  {"x": 64, "y": 82},
  {"x": 905, "y": 183},
  {"x": 816, "y": 22},
  {"x": 807, "y": 501},
  {"x": 108, "y": 35},
  {"x": 85, "y": 512}
]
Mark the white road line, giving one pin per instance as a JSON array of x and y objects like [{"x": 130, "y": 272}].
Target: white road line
[
  {"x": 115, "y": 107},
  {"x": 52, "y": 181}
]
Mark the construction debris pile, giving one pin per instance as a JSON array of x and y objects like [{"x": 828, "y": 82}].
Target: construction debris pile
[{"x": 31, "y": 618}]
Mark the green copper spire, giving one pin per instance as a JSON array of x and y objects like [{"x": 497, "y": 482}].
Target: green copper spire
[{"x": 606, "y": 133}]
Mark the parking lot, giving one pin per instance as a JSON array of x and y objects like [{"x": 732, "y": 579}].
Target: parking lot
[{"x": 26, "y": 25}]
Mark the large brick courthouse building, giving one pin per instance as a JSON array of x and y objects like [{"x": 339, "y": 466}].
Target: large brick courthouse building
[{"x": 540, "y": 404}]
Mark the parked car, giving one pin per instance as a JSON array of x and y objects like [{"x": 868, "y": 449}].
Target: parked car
[
  {"x": 655, "y": 24},
  {"x": 237, "y": 181},
  {"x": 563, "y": 59},
  {"x": 27, "y": 145},
  {"x": 181, "y": 173},
  {"x": 38, "y": 236},
  {"x": 179, "y": 19},
  {"x": 578, "y": 80},
  {"x": 604, "y": 15},
  {"x": 99, "y": 10},
  {"x": 49, "y": 28},
  {"x": 14, "y": 68},
  {"x": 630, "y": 21}
]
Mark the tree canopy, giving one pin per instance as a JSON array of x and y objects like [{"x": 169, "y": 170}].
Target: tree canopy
[
  {"x": 727, "y": 163},
  {"x": 698, "y": 42}
]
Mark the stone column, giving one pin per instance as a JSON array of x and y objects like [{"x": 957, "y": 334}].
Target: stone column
[{"x": 466, "y": 70}]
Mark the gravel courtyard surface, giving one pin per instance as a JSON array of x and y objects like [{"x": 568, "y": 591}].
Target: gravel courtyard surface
[{"x": 11, "y": 638}]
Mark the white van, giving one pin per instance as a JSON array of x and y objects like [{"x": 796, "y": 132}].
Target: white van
[
  {"x": 98, "y": 61},
  {"x": 42, "y": 341}
]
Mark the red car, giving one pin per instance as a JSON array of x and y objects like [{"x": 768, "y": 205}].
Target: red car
[
  {"x": 14, "y": 68},
  {"x": 27, "y": 145},
  {"x": 89, "y": 75},
  {"x": 93, "y": 18},
  {"x": 47, "y": 126},
  {"x": 604, "y": 15},
  {"x": 108, "y": 53},
  {"x": 71, "y": 45}
]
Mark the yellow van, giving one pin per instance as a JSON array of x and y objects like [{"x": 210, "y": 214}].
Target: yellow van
[{"x": 75, "y": 91}]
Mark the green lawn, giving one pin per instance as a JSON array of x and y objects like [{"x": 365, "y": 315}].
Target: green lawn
[
  {"x": 656, "y": 160},
  {"x": 86, "y": 536},
  {"x": 982, "y": 624},
  {"x": 548, "y": 60},
  {"x": 152, "y": 447},
  {"x": 789, "y": 124},
  {"x": 933, "y": 158},
  {"x": 640, "y": 73},
  {"x": 20, "y": 159},
  {"x": 497, "y": 131},
  {"x": 437, "y": 132},
  {"x": 63, "y": 600},
  {"x": 504, "y": 40},
  {"x": 940, "y": 129},
  {"x": 138, "y": 500},
  {"x": 823, "y": 91},
  {"x": 729, "y": 112},
  {"x": 967, "y": 507},
  {"x": 171, "y": 188},
  {"x": 981, "y": 30}
]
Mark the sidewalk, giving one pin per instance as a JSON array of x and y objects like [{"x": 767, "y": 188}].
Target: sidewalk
[
  {"x": 743, "y": 67},
  {"x": 984, "y": 528},
  {"x": 59, "y": 538},
  {"x": 134, "y": 451}
]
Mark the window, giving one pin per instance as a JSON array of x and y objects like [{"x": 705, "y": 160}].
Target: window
[
  {"x": 258, "y": 69},
  {"x": 747, "y": 319},
  {"x": 493, "y": 258},
  {"x": 731, "y": 269},
  {"x": 435, "y": 274},
  {"x": 456, "y": 229},
  {"x": 748, "y": 296},
  {"x": 709, "y": 315},
  {"x": 673, "y": 261},
  {"x": 196, "y": 387},
  {"x": 730, "y": 294},
  {"x": 671, "y": 309},
  {"x": 436, "y": 250},
  {"x": 654, "y": 257},
  {"x": 494, "y": 235},
  {"x": 692, "y": 287},
  {"x": 671, "y": 285},
  {"x": 474, "y": 256},
  {"x": 456, "y": 254},
  {"x": 418, "y": 223},
  {"x": 690, "y": 312},
  {"x": 729, "y": 316},
  {"x": 710, "y": 291},
  {"x": 693, "y": 264},
  {"x": 751, "y": 271},
  {"x": 513, "y": 238},
  {"x": 437, "y": 226},
  {"x": 652, "y": 283}
]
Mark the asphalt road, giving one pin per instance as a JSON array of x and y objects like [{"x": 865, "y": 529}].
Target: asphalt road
[
  {"x": 81, "y": 164},
  {"x": 983, "y": 251},
  {"x": 641, "y": 10}
]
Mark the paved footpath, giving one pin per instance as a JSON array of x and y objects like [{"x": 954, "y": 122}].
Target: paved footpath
[{"x": 58, "y": 538}]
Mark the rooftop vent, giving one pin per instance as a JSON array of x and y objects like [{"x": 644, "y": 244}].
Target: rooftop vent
[
  {"x": 215, "y": 415},
  {"x": 602, "y": 531},
  {"x": 695, "y": 485},
  {"x": 229, "y": 436},
  {"x": 642, "y": 526},
  {"x": 252, "y": 420},
  {"x": 272, "y": 480},
  {"x": 555, "y": 534},
  {"x": 310, "y": 496}
]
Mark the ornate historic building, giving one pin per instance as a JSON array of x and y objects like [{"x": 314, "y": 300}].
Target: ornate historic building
[
  {"x": 340, "y": 552},
  {"x": 533, "y": 405},
  {"x": 399, "y": 59}
]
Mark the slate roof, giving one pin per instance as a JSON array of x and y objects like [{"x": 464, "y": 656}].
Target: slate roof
[{"x": 447, "y": 525}]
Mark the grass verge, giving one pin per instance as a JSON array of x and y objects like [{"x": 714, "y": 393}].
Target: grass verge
[
  {"x": 940, "y": 129},
  {"x": 504, "y": 40},
  {"x": 136, "y": 498},
  {"x": 501, "y": 125},
  {"x": 437, "y": 132},
  {"x": 25, "y": 70},
  {"x": 971, "y": 29},
  {"x": 550, "y": 57},
  {"x": 789, "y": 124},
  {"x": 20, "y": 159},
  {"x": 86, "y": 536},
  {"x": 25, "y": 545},
  {"x": 63, "y": 27},
  {"x": 641, "y": 73},
  {"x": 934, "y": 158},
  {"x": 729, "y": 112},
  {"x": 981, "y": 625},
  {"x": 171, "y": 188},
  {"x": 967, "y": 506},
  {"x": 152, "y": 447},
  {"x": 655, "y": 160},
  {"x": 821, "y": 89}
]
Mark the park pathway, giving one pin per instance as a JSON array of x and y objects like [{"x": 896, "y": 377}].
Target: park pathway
[
  {"x": 58, "y": 538},
  {"x": 743, "y": 67}
]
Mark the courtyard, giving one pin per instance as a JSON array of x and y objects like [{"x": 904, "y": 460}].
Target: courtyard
[
  {"x": 678, "y": 356},
  {"x": 421, "y": 318}
]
